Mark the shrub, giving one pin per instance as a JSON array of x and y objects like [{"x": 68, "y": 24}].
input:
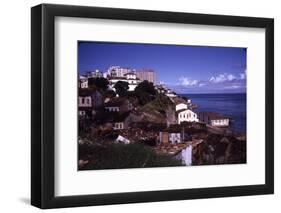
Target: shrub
[{"x": 118, "y": 156}]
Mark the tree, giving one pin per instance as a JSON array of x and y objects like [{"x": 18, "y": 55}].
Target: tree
[
  {"x": 146, "y": 87},
  {"x": 109, "y": 94},
  {"x": 118, "y": 156},
  {"x": 145, "y": 92},
  {"x": 100, "y": 83},
  {"x": 121, "y": 88}
]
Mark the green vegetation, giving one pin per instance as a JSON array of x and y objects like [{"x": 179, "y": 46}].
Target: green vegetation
[
  {"x": 159, "y": 104},
  {"x": 145, "y": 92},
  {"x": 99, "y": 83},
  {"x": 121, "y": 88},
  {"x": 117, "y": 156}
]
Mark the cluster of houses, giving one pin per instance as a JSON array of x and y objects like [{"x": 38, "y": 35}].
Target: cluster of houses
[
  {"x": 130, "y": 78},
  {"x": 165, "y": 90},
  {"x": 121, "y": 113},
  {"x": 117, "y": 73}
]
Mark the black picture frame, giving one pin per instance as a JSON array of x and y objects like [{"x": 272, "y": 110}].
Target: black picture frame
[{"x": 43, "y": 117}]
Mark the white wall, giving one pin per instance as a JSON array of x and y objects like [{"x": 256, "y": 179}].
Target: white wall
[
  {"x": 15, "y": 128},
  {"x": 187, "y": 115},
  {"x": 181, "y": 106},
  {"x": 222, "y": 122}
]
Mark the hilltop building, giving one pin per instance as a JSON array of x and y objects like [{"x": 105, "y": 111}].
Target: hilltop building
[
  {"x": 117, "y": 71},
  {"x": 83, "y": 82},
  {"x": 129, "y": 77},
  {"x": 162, "y": 89},
  {"x": 147, "y": 74},
  {"x": 94, "y": 74}
]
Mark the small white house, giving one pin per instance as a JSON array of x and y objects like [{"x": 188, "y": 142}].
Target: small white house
[
  {"x": 85, "y": 101},
  {"x": 214, "y": 119},
  {"x": 175, "y": 138},
  {"x": 170, "y": 93},
  {"x": 112, "y": 108},
  {"x": 222, "y": 122},
  {"x": 83, "y": 104},
  {"x": 118, "y": 125},
  {"x": 84, "y": 84},
  {"x": 121, "y": 139},
  {"x": 186, "y": 115}
]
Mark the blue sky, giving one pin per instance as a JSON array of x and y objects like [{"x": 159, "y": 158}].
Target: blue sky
[{"x": 186, "y": 69}]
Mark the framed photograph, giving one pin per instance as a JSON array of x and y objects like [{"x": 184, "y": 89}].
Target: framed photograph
[{"x": 139, "y": 106}]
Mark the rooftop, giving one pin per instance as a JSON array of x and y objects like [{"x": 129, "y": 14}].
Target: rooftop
[
  {"x": 178, "y": 100},
  {"x": 111, "y": 117},
  {"x": 182, "y": 110},
  {"x": 115, "y": 102},
  {"x": 83, "y": 92}
]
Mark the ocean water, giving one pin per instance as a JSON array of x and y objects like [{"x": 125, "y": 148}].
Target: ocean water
[{"x": 232, "y": 105}]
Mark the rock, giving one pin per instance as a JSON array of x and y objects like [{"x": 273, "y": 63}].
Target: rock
[{"x": 219, "y": 149}]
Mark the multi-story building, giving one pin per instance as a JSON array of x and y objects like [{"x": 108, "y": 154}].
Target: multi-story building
[
  {"x": 129, "y": 77},
  {"x": 88, "y": 101},
  {"x": 83, "y": 82},
  {"x": 94, "y": 74},
  {"x": 147, "y": 74},
  {"x": 117, "y": 71}
]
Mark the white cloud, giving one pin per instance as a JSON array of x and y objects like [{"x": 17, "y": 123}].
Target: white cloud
[
  {"x": 242, "y": 76},
  {"x": 233, "y": 87},
  {"x": 230, "y": 77},
  {"x": 222, "y": 78},
  {"x": 185, "y": 81}
]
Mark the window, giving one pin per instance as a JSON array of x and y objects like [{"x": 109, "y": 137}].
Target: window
[{"x": 119, "y": 125}]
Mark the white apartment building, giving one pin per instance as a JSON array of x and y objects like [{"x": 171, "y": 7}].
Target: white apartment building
[
  {"x": 130, "y": 77},
  {"x": 147, "y": 74},
  {"x": 117, "y": 71}
]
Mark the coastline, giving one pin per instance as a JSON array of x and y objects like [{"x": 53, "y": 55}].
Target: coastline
[{"x": 224, "y": 104}]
